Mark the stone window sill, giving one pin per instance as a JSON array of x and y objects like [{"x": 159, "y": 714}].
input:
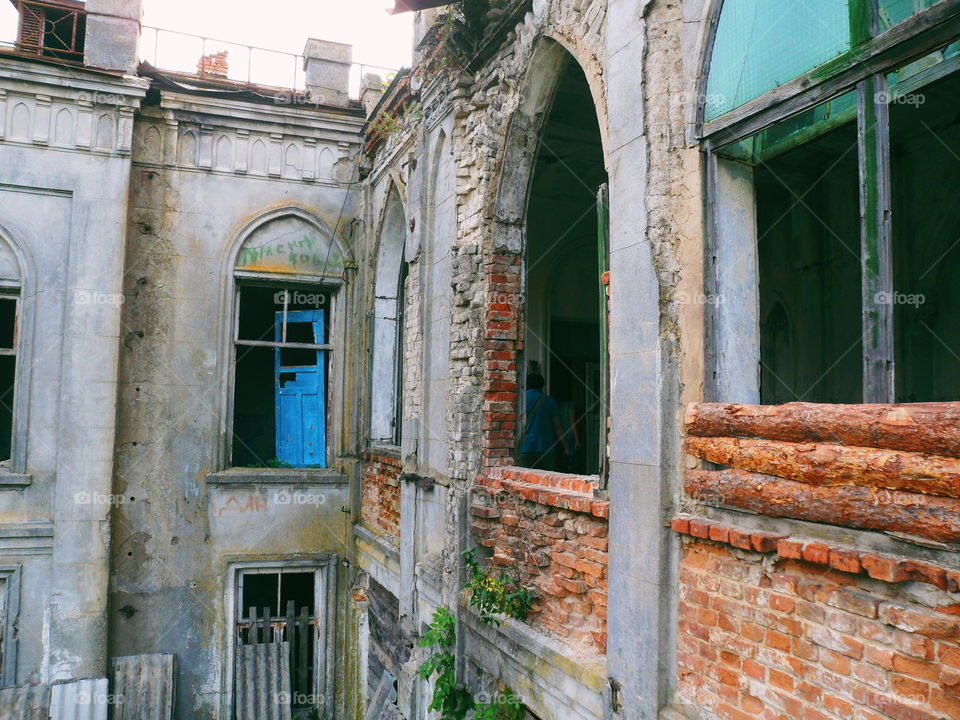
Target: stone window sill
[
  {"x": 277, "y": 476},
  {"x": 14, "y": 481}
]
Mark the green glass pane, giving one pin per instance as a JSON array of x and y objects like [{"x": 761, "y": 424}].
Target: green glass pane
[
  {"x": 761, "y": 44},
  {"x": 893, "y": 12}
]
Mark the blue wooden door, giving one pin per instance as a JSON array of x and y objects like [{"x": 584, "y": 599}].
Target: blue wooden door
[{"x": 301, "y": 396}]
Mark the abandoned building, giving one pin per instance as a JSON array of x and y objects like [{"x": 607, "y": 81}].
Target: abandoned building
[{"x": 603, "y": 364}]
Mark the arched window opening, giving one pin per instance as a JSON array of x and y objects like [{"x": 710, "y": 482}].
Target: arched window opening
[
  {"x": 286, "y": 273},
  {"x": 564, "y": 416},
  {"x": 388, "y": 305},
  {"x": 840, "y": 210}
]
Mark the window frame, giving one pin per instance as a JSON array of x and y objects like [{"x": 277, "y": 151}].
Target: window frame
[
  {"x": 10, "y": 603},
  {"x": 864, "y": 70},
  {"x": 324, "y": 565},
  {"x": 287, "y": 284}
]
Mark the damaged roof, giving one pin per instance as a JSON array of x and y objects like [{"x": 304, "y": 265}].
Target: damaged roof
[{"x": 411, "y": 5}]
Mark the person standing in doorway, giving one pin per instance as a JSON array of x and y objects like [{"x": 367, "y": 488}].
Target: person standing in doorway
[{"x": 543, "y": 429}]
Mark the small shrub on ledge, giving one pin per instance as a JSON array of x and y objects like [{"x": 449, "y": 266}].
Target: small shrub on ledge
[{"x": 500, "y": 595}]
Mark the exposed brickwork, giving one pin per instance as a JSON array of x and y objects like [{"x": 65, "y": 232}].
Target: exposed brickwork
[
  {"x": 795, "y": 639},
  {"x": 380, "y": 493},
  {"x": 525, "y": 519},
  {"x": 215, "y": 64},
  {"x": 879, "y": 566},
  {"x": 502, "y": 342}
]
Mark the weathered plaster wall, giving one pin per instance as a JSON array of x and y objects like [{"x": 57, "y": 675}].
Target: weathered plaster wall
[
  {"x": 200, "y": 175},
  {"x": 64, "y": 167}
]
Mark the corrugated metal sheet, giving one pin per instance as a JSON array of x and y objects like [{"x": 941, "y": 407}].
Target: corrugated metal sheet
[
  {"x": 30, "y": 702},
  {"x": 143, "y": 687},
  {"x": 79, "y": 700},
  {"x": 263, "y": 682}
]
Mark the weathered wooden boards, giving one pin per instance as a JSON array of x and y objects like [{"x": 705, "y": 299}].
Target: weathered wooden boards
[
  {"x": 882, "y": 467},
  {"x": 921, "y": 427},
  {"x": 857, "y": 507},
  {"x": 825, "y": 464}
]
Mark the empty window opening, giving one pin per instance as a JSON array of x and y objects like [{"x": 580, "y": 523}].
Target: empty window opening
[
  {"x": 564, "y": 416},
  {"x": 805, "y": 172},
  {"x": 925, "y": 175},
  {"x": 281, "y": 377},
  {"x": 280, "y": 605},
  {"x": 9, "y": 304}
]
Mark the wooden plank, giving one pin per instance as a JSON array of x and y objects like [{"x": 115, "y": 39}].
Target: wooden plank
[
  {"x": 830, "y": 465},
  {"x": 917, "y": 427},
  {"x": 876, "y": 239},
  {"x": 252, "y": 636},
  {"x": 291, "y": 631},
  {"x": 303, "y": 649},
  {"x": 267, "y": 634},
  {"x": 857, "y": 507}
]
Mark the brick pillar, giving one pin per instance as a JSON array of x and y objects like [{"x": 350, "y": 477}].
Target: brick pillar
[{"x": 502, "y": 343}]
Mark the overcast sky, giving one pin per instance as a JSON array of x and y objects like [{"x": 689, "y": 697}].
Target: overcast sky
[{"x": 377, "y": 38}]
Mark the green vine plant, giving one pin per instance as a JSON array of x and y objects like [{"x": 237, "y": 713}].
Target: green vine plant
[
  {"x": 496, "y": 595},
  {"x": 491, "y": 596},
  {"x": 450, "y": 699}
]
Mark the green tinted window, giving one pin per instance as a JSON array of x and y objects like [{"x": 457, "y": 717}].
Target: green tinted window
[
  {"x": 761, "y": 44},
  {"x": 896, "y": 11}
]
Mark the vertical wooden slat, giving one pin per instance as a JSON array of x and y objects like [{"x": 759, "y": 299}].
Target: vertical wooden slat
[
  {"x": 267, "y": 635},
  {"x": 252, "y": 638},
  {"x": 876, "y": 240},
  {"x": 292, "y": 634},
  {"x": 303, "y": 650}
]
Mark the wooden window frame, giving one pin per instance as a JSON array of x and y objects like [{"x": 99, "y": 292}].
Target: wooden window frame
[{"x": 864, "y": 69}]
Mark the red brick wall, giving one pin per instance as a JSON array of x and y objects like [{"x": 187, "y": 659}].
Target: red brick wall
[
  {"x": 502, "y": 341},
  {"x": 763, "y": 636},
  {"x": 380, "y": 493},
  {"x": 547, "y": 531}
]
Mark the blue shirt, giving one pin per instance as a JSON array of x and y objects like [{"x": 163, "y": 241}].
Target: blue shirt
[{"x": 541, "y": 433}]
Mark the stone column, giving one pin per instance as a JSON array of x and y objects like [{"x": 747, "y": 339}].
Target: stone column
[
  {"x": 112, "y": 40},
  {"x": 371, "y": 91},
  {"x": 327, "y": 65}
]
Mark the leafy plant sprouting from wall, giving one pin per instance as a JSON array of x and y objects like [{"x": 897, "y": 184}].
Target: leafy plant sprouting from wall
[
  {"x": 491, "y": 596},
  {"x": 450, "y": 699}
]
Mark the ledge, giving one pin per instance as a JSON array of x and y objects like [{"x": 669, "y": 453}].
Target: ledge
[
  {"x": 567, "y": 492},
  {"x": 879, "y": 566},
  {"x": 15, "y": 481},
  {"x": 277, "y": 476}
]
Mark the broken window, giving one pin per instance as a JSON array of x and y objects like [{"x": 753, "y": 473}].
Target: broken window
[
  {"x": 276, "y": 605},
  {"x": 9, "y": 306},
  {"x": 836, "y": 228},
  {"x": 280, "y": 385},
  {"x": 53, "y": 29},
  {"x": 564, "y": 406}
]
